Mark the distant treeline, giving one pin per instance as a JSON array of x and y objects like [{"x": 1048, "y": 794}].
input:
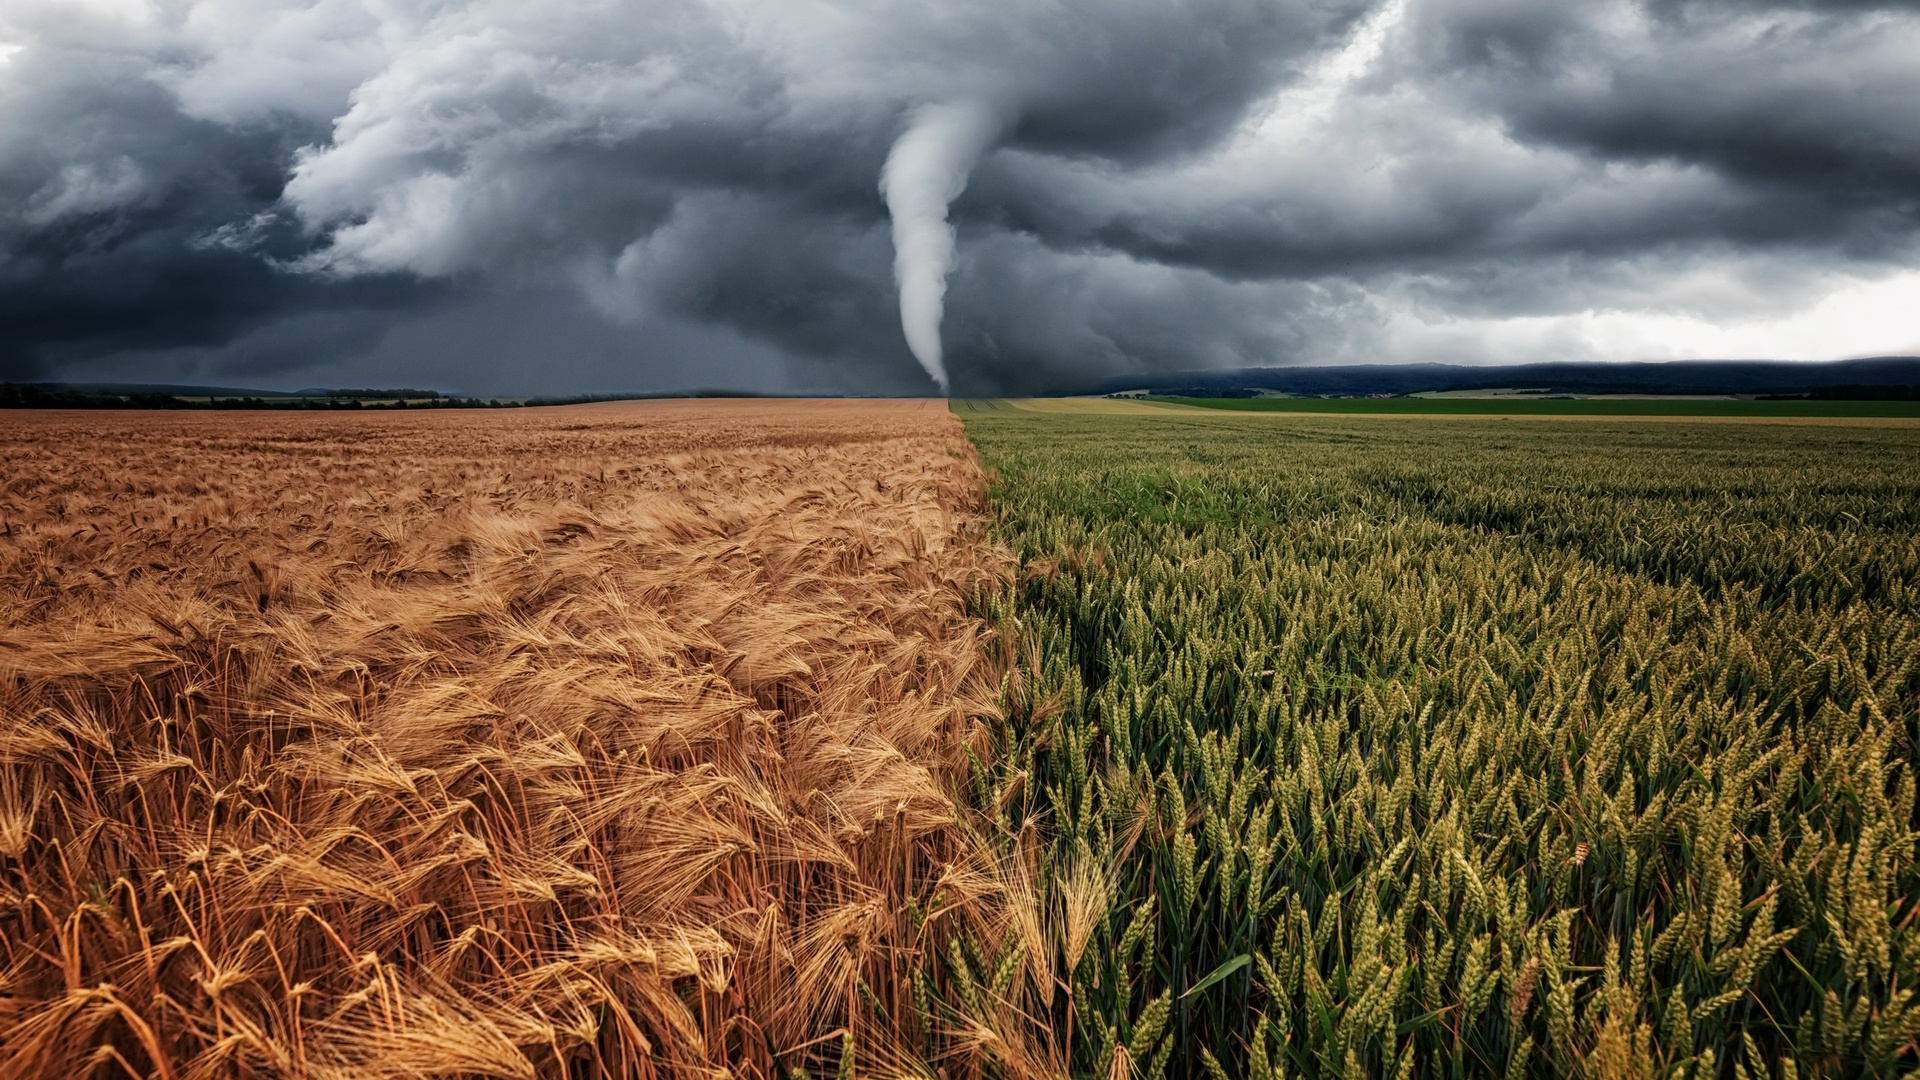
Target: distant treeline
[
  {"x": 14, "y": 396},
  {"x": 1844, "y": 392},
  {"x": 406, "y": 393},
  {"x": 1208, "y": 392}
]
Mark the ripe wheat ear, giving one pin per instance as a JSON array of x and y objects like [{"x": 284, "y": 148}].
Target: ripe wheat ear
[{"x": 618, "y": 739}]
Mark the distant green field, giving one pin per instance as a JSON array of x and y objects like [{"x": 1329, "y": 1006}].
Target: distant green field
[
  {"x": 1340, "y": 747},
  {"x": 1556, "y": 406}
]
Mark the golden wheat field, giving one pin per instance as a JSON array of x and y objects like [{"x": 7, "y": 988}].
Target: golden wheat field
[{"x": 619, "y": 739}]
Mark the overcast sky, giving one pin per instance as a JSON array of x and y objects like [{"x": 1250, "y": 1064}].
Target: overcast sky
[{"x": 555, "y": 196}]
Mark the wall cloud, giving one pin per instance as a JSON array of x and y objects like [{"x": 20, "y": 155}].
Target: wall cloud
[{"x": 894, "y": 195}]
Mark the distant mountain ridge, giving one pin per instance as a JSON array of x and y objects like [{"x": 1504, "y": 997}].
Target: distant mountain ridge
[{"x": 1625, "y": 377}]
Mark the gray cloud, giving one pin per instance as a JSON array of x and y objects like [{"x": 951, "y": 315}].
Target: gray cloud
[
  {"x": 1813, "y": 99},
  {"x": 635, "y": 194}
]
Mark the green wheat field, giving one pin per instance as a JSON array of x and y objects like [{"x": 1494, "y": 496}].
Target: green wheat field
[{"x": 1357, "y": 747}]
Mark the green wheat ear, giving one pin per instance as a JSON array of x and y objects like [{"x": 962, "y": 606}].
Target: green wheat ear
[{"x": 1564, "y": 749}]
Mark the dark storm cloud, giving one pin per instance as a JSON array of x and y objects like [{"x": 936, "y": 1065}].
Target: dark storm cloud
[
  {"x": 1499, "y": 132},
  {"x": 1812, "y": 97},
  {"x": 286, "y": 189},
  {"x": 516, "y": 342},
  {"x": 118, "y": 218}
]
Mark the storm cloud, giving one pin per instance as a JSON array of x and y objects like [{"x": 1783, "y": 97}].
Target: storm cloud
[{"x": 502, "y": 196}]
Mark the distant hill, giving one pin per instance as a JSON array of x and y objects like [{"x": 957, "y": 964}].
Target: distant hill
[{"x": 1873, "y": 376}]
